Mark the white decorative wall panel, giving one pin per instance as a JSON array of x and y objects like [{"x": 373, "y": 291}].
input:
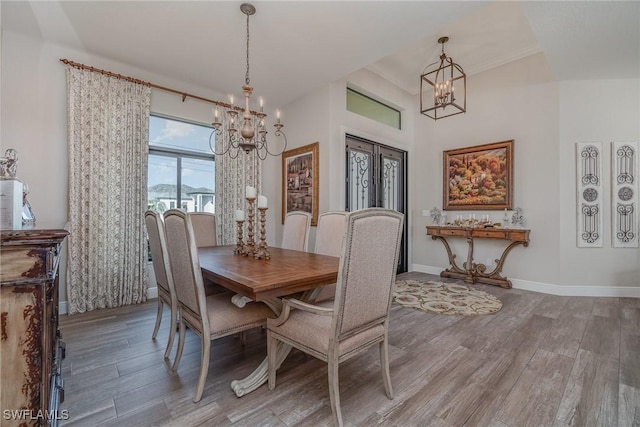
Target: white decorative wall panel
[
  {"x": 589, "y": 197},
  {"x": 624, "y": 194}
]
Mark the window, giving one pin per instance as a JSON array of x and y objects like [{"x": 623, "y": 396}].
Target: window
[
  {"x": 373, "y": 109},
  {"x": 180, "y": 158}
]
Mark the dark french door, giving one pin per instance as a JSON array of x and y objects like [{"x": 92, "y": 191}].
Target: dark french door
[{"x": 377, "y": 177}]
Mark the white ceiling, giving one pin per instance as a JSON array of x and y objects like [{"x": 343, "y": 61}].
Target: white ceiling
[{"x": 297, "y": 46}]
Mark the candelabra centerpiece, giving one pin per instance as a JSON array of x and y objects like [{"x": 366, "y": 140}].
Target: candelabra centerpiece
[{"x": 250, "y": 248}]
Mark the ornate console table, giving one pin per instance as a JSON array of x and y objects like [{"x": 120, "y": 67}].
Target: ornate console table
[{"x": 470, "y": 271}]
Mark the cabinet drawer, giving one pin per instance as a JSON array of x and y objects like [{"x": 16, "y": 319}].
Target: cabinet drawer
[
  {"x": 445, "y": 231},
  {"x": 490, "y": 234},
  {"x": 27, "y": 263}
]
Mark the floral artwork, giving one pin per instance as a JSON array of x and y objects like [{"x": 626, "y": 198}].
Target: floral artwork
[{"x": 479, "y": 177}]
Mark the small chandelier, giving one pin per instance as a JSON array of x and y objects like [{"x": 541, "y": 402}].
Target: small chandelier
[
  {"x": 234, "y": 134},
  {"x": 443, "y": 87}
]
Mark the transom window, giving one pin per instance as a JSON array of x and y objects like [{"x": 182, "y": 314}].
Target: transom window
[{"x": 371, "y": 108}]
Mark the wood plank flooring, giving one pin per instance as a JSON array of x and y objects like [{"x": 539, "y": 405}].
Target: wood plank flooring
[{"x": 542, "y": 360}]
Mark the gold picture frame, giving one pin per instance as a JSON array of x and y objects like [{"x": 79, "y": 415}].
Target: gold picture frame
[
  {"x": 479, "y": 177},
  {"x": 300, "y": 181}
]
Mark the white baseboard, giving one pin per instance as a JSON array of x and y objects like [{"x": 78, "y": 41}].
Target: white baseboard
[
  {"x": 562, "y": 290},
  {"x": 152, "y": 292},
  {"x": 425, "y": 269}
]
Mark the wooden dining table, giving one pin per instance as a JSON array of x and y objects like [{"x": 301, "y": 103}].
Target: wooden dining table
[{"x": 267, "y": 280}]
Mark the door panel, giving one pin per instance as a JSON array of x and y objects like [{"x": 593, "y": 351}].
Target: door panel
[
  {"x": 361, "y": 195},
  {"x": 376, "y": 177}
]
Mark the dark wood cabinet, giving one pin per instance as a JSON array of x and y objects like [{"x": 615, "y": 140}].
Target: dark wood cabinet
[{"x": 31, "y": 348}]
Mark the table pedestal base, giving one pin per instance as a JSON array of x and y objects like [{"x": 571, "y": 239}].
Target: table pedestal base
[{"x": 260, "y": 375}]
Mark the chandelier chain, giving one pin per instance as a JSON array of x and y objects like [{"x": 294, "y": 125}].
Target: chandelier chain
[{"x": 246, "y": 78}]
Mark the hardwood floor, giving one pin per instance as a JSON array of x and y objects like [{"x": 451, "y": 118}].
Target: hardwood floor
[{"x": 542, "y": 360}]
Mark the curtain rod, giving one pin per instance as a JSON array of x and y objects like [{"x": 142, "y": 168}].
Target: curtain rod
[{"x": 184, "y": 95}]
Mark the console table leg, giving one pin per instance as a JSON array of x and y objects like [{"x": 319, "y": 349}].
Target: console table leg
[
  {"x": 452, "y": 258},
  {"x": 494, "y": 276},
  {"x": 469, "y": 266}
]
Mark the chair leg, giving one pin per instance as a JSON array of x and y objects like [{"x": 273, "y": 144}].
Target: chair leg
[
  {"x": 181, "y": 335},
  {"x": 158, "y": 318},
  {"x": 172, "y": 331},
  {"x": 272, "y": 345},
  {"x": 204, "y": 368},
  {"x": 384, "y": 365},
  {"x": 334, "y": 391}
]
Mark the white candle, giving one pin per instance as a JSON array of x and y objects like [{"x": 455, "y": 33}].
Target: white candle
[
  {"x": 278, "y": 115},
  {"x": 231, "y": 99},
  {"x": 215, "y": 113},
  {"x": 250, "y": 192},
  {"x": 239, "y": 215},
  {"x": 262, "y": 201}
]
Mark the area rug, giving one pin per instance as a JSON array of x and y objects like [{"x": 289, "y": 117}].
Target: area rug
[{"x": 445, "y": 298}]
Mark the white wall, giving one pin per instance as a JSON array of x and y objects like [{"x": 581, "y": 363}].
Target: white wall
[
  {"x": 604, "y": 111},
  {"x": 517, "y": 101},
  {"x": 306, "y": 121}
]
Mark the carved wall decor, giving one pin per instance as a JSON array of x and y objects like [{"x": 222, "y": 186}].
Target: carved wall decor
[
  {"x": 589, "y": 197},
  {"x": 624, "y": 194}
]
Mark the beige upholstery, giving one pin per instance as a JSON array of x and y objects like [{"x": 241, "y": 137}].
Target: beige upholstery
[
  {"x": 204, "y": 228},
  {"x": 210, "y": 317},
  {"x": 329, "y": 235},
  {"x": 205, "y": 233},
  {"x": 359, "y": 316},
  {"x": 295, "y": 233},
  {"x": 162, "y": 271}
]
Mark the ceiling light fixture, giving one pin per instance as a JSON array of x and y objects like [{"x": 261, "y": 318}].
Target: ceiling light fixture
[
  {"x": 234, "y": 134},
  {"x": 442, "y": 87}
]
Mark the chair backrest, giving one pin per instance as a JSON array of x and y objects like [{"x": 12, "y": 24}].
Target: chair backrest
[
  {"x": 367, "y": 271},
  {"x": 204, "y": 228},
  {"x": 185, "y": 267},
  {"x": 295, "y": 232},
  {"x": 158, "y": 247},
  {"x": 330, "y": 232}
]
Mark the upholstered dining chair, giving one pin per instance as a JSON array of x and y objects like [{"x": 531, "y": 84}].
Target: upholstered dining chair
[
  {"x": 359, "y": 315},
  {"x": 162, "y": 270},
  {"x": 209, "y": 317},
  {"x": 204, "y": 228},
  {"x": 205, "y": 234},
  {"x": 329, "y": 234},
  {"x": 295, "y": 232}
]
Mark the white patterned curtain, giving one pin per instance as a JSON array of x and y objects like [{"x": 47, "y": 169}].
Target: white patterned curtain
[
  {"x": 108, "y": 147},
  {"x": 232, "y": 177}
]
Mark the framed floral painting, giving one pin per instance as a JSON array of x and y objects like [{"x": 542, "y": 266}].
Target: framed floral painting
[{"x": 479, "y": 177}]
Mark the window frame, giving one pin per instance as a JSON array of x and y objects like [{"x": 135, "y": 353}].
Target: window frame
[
  {"x": 373, "y": 101},
  {"x": 179, "y": 154}
]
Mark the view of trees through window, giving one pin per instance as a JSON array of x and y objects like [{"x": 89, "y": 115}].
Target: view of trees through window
[{"x": 180, "y": 158}]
